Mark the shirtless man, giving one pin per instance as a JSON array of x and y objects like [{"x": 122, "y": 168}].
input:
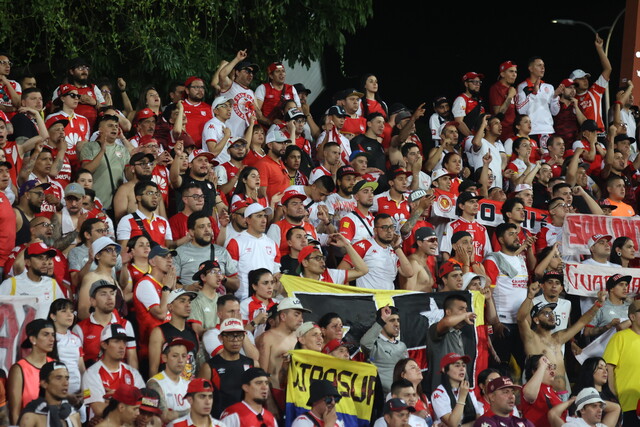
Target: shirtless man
[
  {"x": 536, "y": 323},
  {"x": 277, "y": 342},
  {"x": 124, "y": 201},
  {"x": 427, "y": 246}
]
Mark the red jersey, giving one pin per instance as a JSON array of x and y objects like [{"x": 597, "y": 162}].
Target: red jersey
[
  {"x": 5, "y": 99},
  {"x": 179, "y": 229},
  {"x": 8, "y": 227},
  {"x": 273, "y": 96},
  {"x": 78, "y": 129},
  {"x": 160, "y": 176},
  {"x": 481, "y": 242},
  {"x": 13, "y": 156},
  {"x": 197, "y": 115},
  {"x": 356, "y": 126},
  {"x": 595, "y": 166},
  {"x": 278, "y": 233},
  {"x": 64, "y": 175},
  {"x": 88, "y": 111},
  {"x": 497, "y": 95},
  {"x": 556, "y": 169},
  {"x": 147, "y": 294},
  {"x": 90, "y": 332},
  {"x": 158, "y": 228},
  {"x": 399, "y": 211},
  {"x": 590, "y": 102},
  {"x": 273, "y": 175},
  {"x": 253, "y": 158},
  {"x": 410, "y": 240},
  {"x": 241, "y": 414},
  {"x": 537, "y": 411},
  {"x": 136, "y": 274},
  {"x": 61, "y": 270},
  {"x": 46, "y": 209}
]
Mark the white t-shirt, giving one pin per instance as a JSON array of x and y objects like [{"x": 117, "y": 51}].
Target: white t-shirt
[
  {"x": 46, "y": 290},
  {"x": 214, "y": 131},
  {"x": 174, "y": 392},
  {"x": 442, "y": 403}
]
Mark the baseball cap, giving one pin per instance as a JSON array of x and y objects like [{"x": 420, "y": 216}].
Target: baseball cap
[
  {"x": 39, "y": 248},
  {"x": 459, "y": 235},
  {"x": 197, "y": 153},
  {"x": 364, "y": 184},
  {"x": 49, "y": 367},
  {"x": 439, "y": 100},
  {"x": 613, "y": 281},
  {"x": 127, "y": 394},
  {"x": 274, "y": 66},
  {"x": 337, "y": 110},
  {"x": 624, "y": 137},
  {"x": 74, "y": 189},
  {"x": 102, "y": 242},
  {"x": 219, "y": 101},
  {"x": 231, "y": 325},
  {"x": 139, "y": 156},
  {"x": 578, "y": 74},
  {"x": 402, "y": 115},
  {"x": 597, "y": 237},
  {"x": 99, "y": 284},
  {"x": 199, "y": 385},
  {"x": 587, "y": 396},
  {"x": 305, "y": 252},
  {"x": 292, "y": 194},
  {"x": 501, "y": 382},
  {"x": 300, "y": 88},
  {"x": 178, "y": 341},
  {"x": 536, "y": 309},
  {"x": 147, "y": 139},
  {"x": 291, "y": 303},
  {"x": 54, "y": 120},
  {"x": 424, "y": 233},
  {"x": 319, "y": 389},
  {"x": 116, "y": 331},
  {"x": 417, "y": 195},
  {"x": 358, "y": 153},
  {"x": 332, "y": 345},
  {"x": 251, "y": 374},
  {"x": 522, "y": 187},
  {"x": 439, "y": 173},
  {"x": 350, "y": 92},
  {"x": 396, "y": 171},
  {"x": 33, "y": 329},
  {"x": 396, "y": 405},
  {"x": 177, "y": 293},
  {"x": 246, "y": 64},
  {"x": 274, "y": 134},
  {"x": 589, "y": 125},
  {"x": 465, "y": 196},
  {"x": 150, "y": 401},
  {"x": 255, "y": 208},
  {"x": 145, "y": 113},
  {"x": 472, "y": 75},
  {"x": 190, "y": 80},
  {"x": 449, "y": 267},
  {"x": 293, "y": 114},
  {"x": 506, "y": 65},
  {"x": 567, "y": 82},
  {"x": 304, "y": 328},
  {"x": 445, "y": 124},
  {"x": 606, "y": 204},
  {"x": 468, "y": 277},
  {"x": 158, "y": 250},
  {"x": 346, "y": 170},
  {"x": 239, "y": 204},
  {"x": 204, "y": 267},
  {"x": 466, "y": 184},
  {"x": 65, "y": 89},
  {"x": 31, "y": 184},
  {"x": 450, "y": 358}
]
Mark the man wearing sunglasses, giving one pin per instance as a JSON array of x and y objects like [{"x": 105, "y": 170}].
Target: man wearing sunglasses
[
  {"x": 10, "y": 90},
  {"x": 323, "y": 398},
  {"x": 468, "y": 105},
  {"x": 313, "y": 266}
]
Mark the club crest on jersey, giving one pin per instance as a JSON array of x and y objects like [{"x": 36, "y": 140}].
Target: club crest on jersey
[
  {"x": 269, "y": 250},
  {"x": 445, "y": 203},
  {"x": 203, "y": 113},
  {"x": 161, "y": 228}
]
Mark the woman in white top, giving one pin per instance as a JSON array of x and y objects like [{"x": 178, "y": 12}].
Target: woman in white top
[{"x": 68, "y": 345}]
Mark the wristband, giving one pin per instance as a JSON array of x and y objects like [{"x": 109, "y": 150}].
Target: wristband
[
  {"x": 598, "y": 304},
  {"x": 166, "y": 289},
  {"x": 618, "y": 102},
  {"x": 460, "y": 403}
]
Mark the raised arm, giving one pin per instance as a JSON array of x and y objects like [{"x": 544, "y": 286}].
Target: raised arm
[
  {"x": 524, "y": 312},
  {"x": 224, "y": 74},
  {"x": 573, "y": 330},
  {"x": 359, "y": 268},
  {"x": 604, "y": 61}
]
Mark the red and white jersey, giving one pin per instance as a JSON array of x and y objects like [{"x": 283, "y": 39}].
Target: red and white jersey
[
  {"x": 86, "y": 110},
  {"x": 146, "y": 295},
  {"x": 341, "y": 140},
  {"x": 352, "y": 126},
  {"x": 89, "y": 332},
  {"x": 278, "y": 233},
  {"x": 463, "y": 105},
  {"x": 78, "y": 129},
  {"x": 400, "y": 212},
  {"x": 47, "y": 209},
  {"x": 70, "y": 352},
  {"x": 13, "y": 156},
  {"x": 213, "y": 132},
  {"x": 64, "y": 175},
  {"x": 160, "y": 176},
  {"x": 5, "y": 99},
  {"x": 186, "y": 421},
  {"x": 354, "y": 227},
  {"x": 382, "y": 261},
  {"x": 242, "y": 415},
  {"x": 339, "y": 206},
  {"x": 174, "y": 391},
  {"x": 251, "y": 307},
  {"x": 197, "y": 115},
  {"x": 334, "y": 275},
  {"x": 540, "y": 106},
  {"x": 481, "y": 242},
  {"x": 318, "y": 172},
  {"x": 250, "y": 253},
  {"x": 228, "y": 172},
  {"x": 509, "y": 291},
  {"x": 243, "y": 104},
  {"x": 548, "y": 236},
  {"x": 441, "y": 402},
  {"x": 98, "y": 380},
  {"x": 271, "y": 96},
  {"x": 158, "y": 228},
  {"x": 590, "y": 102},
  {"x": 518, "y": 166}
]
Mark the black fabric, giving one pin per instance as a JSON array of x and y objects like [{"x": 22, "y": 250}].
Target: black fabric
[
  {"x": 373, "y": 148},
  {"x": 143, "y": 229},
  {"x": 22, "y": 127},
  {"x": 226, "y": 375},
  {"x": 24, "y": 234}
]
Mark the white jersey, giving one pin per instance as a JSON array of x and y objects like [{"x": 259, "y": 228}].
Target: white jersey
[
  {"x": 69, "y": 353},
  {"x": 475, "y": 158},
  {"x": 214, "y": 131},
  {"x": 435, "y": 121},
  {"x": 243, "y": 103},
  {"x": 186, "y": 421},
  {"x": 540, "y": 107},
  {"x": 174, "y": 392},
  {"x": 509, "y": 292},
  {"x": 414, "y": 421},
  {"x": 383, "y": 265},
  {"x": 339, "y": 206},
  {"x": 250, "y": 253},
  {"x": 46, "y": 290},
  {"x": 424, "y": 181}
]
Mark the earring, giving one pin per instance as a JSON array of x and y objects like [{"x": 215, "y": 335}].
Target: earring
[{"x": 619, "y": 253}]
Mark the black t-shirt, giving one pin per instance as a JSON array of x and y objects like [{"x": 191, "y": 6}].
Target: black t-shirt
[
  {"x": 288, "y": 265},
  {"x": 372, "y": 147},
  {"x": 226, "y": 377},
  {"x": 22, "y": 126},
  {"x": 208, "y": 189}
]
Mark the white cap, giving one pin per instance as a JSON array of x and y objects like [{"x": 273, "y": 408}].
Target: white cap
[
  {"x": 468, "y": 277},
  {"x": 304, "y": 328},
  {"x": 219, "y": 101},
  {"x": 275, "y": 135},
  {"x": 255, "y": 208},
  {"x": 439, "y": 173},
  {"x": 231, "y": 325},
  {"x": 597, "y": 237},
  {"x": 586, "y": 396},
  {"x": 522, "y": 187},
  {"x": 177, "y": 293},
  {"x": 291, "y": 303},
  {"x": 578, "y": 74},
  {"x": 102, "y": 242}
]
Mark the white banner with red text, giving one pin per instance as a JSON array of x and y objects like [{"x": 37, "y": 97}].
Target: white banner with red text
[
  {"x": 579, "y": 228},
  {"x": 15, "y": 313},
  {"x": 587, "y": 280}
]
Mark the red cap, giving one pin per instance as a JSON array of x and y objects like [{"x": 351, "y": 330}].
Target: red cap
[
  {"x": 55, "y": 119},
  {"x": 197, "y": 153},
  {"x": 292, "y": 194},
  {"x": 65, "y": 89},
  {"x": 452, "y": 358},
  {"x": 239, "y": 204},
  {"x": 274, "y": 66},
  {"x": 39, "y": 248},
  {"x": 448, "y": 267},
  {"x": 332, "y": 345},
  {"x": 145, "y": 113},
  {"x": 472, "y": 75},
  {"x": 567, "y": 82},
  {"x": 190, "y": 80},
  {"x": 147, "y": 139},
  {"x": 178, "y": 341},
  {"x": 127, "y": 394},
  {"x": 305, "y": 252},
  {"x": 199, "y": 385},
  {"x": 506, "y": 65}
]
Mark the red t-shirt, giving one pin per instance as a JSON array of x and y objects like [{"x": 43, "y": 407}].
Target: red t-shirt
[
  {"x": 179, "y": 229},
  {"x": 497, "y": 95},
  {"x": 537, "y": 411},
  {"x": 197, "y": 115}
]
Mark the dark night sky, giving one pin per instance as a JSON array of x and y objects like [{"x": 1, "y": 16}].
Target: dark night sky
[{"x": 419, "y": 50}]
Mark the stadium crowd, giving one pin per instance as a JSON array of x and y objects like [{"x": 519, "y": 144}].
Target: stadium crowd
[{"x": 155, "y": 238}]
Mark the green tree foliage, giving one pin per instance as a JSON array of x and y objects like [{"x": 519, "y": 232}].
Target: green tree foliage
[{"x": 155, "y": 41}]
